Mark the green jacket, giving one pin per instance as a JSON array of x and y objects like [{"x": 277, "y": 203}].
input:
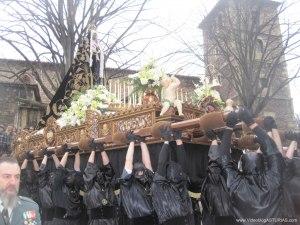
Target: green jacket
[{"x": 26, "y": 212}]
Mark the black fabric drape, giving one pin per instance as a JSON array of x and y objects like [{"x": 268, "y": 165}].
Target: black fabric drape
[
  {"x": 79, "y": 77},
  {"x": 196, "y": 156}
]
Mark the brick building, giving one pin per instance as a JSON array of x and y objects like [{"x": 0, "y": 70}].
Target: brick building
[{"x": 235, "y": 19}]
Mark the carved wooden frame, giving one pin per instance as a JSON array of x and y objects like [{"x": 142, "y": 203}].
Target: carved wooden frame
[{"x": 97, "y": 125}]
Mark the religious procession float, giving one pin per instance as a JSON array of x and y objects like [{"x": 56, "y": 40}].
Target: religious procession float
[{"x": 85, "y": 109}]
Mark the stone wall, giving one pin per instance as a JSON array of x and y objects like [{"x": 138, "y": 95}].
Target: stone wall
[{"x": 18, "y": 105}]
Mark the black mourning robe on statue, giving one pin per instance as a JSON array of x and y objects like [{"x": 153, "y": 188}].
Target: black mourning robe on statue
[{"x": 79, "y": 77}]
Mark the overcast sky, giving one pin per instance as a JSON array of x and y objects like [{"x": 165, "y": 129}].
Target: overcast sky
[{"x": 188, "y": 14}]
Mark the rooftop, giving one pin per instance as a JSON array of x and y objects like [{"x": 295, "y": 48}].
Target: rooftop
[{"x": 28, "y": 79}]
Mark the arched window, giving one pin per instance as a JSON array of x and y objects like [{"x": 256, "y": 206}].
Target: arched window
[
  {"x": 25, "y": 78},
  {"x": 259, "y": 46},
  {"x": 220, "y": 20}
]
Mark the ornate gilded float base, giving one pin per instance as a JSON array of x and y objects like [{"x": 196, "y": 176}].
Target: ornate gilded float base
[{"x": 97, "y": 126}]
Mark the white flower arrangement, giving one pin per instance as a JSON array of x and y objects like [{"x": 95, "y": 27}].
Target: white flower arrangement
[
  {"x": 206, "y": 90},
  {"x": 97, "y": 98},
  {"x": 148, "y": 77}
]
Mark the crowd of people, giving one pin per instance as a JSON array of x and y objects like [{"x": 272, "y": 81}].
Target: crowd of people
[
  {"x": 254, "y": 190},
  {"x": 7, "y": 135}
]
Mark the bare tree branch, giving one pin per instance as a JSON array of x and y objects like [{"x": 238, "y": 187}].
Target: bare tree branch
[
  {"x": 49, "y": 31},
  {"x": 249, "y": 49}
]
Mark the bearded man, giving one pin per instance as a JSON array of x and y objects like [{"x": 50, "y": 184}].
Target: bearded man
[{"x": 15, "y": 209}]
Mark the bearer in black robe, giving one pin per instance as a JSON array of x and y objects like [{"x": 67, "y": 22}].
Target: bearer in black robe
[
  {"x": 256, "y": 193},
  {"x": 289, "y": 167},
  {"x": 215, "y": 199},
  {"x": 45, "y": 179},
  {"x": 135, "y": 184},
  {"x": 29, "y": 179},
  {"x": 100, "y": 199},
  {"x": 66, "y": 191},
  {"x": 170, "y": 196},
  {"x": 293, "y": 167},
  {"x": 294, "y": 188}
]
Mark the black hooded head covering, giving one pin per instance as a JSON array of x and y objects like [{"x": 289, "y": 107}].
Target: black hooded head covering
[
  {"x": 51, "y": 177},
  {"x": 252, "y": 163},
  {"x": 174, "y": 172},
  {"x": 73, "y": 178},
  {"x": 109, "y": 172},
  {"x": 30, "y": 175},
  {"x": 214, "y": 172},
  {"x": 49, "y": 174},
  {"x": 105, "y": 175},
  {"x": 140, "y": 172}
]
